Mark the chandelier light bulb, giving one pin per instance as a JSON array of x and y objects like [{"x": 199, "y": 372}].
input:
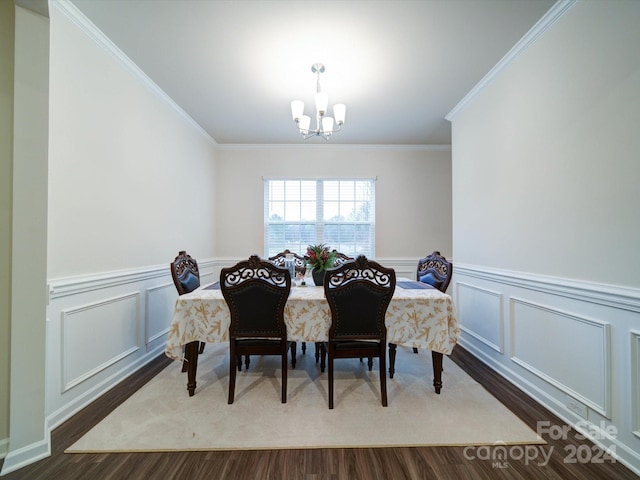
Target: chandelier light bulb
[
  {"x": 304, "y": 124},
  {"x": 339, "y": 112},
  {"x": 322, "y": 100},
  {"x": 327, "y": 125},
  {"x": 297, "y": 108}
]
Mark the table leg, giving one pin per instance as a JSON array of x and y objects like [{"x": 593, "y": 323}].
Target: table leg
[
  {"x": 191, "y": 354},
  {"x": 437, "y": 370},
  {"x": 392, "y": 359},
  {"x": 323, "y": 356}
]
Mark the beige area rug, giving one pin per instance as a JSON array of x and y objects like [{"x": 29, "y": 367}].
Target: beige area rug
[{"x": 162, "y": 417}]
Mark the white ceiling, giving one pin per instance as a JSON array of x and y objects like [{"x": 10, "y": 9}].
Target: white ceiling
[{"x": 234, "y": 66}]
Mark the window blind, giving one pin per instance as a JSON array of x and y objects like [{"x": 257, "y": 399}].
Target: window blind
[{"x": 337, "y": 212}]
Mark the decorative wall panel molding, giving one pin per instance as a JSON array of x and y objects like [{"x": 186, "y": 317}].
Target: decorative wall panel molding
[
  {"x": 573, "y": 346},
  {"x": 600, "y": 294},
  {"x": 160, "y": 302},
  {"x": 635, "y": 381},
  {"x": 97, "y": 335},
  {"x": 483, "y": 314},
  {"x": 542, "y": 338}
]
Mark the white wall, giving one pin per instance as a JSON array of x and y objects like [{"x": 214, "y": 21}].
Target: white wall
[
  {"x": 413, "y": 193},
  {"x": 130, "y": 183},
  {"x": 7, "y": 29},
  {"x": 545, "y": 220},
  {"x": 546, "y": 166},
  {"x": 28, "y": 242},
  {"x": 130, "y": 179}
]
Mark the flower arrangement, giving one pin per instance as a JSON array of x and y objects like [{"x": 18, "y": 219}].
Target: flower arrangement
[{"x": 319, "y": 257}]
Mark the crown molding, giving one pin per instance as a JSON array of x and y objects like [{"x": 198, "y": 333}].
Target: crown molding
[
  {"x": 70, "y": 11},
  {"x": 552, "y": 16},
  {"x": 308, "y": 146}
]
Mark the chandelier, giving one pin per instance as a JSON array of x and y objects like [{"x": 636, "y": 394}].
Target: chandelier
[{"x": 324, "y": 125}]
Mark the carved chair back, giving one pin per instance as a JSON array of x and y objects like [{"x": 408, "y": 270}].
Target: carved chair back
[
  {"x": 359, "y": 292},
  {"x": 435, "y": 270},
  {"x": 340, "y": 258},
  {"x": 185, "y": 273},
  {"x": 299, "y": 261},
  {"x": 256, "y": 291}
]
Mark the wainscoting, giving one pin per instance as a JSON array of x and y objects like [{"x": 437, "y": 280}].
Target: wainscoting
[
  {"x": 102, "y": 328},
  {"x": 573, "y": 346}
]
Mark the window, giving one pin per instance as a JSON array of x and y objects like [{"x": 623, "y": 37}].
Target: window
[{"x": 338, "y": 213}]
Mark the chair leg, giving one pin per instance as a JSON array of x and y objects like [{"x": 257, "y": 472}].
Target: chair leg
[
  {"x": 392, "y": 359},
  {"x": 284, "y": 371},
  {"x": 247, "y": 361},
  {"x": 415, "y": 350},
  {"x": 370, "y": 363},
  {"x": 293, "y": 354},
  {"x": 304, "y": 348},
  {"x": 202, "y": 344},
  {"x": 330, "y": 382},
  {"x": 232, "y": 373},
  {"x": 318, "y": 350},
  {"x": 437, "y": 370},
  {"x": 232, "y": 385},
  {"x": 383, "y": 375}
]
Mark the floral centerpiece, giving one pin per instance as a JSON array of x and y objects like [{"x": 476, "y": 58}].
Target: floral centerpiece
[{"x": 320, "y": 259}]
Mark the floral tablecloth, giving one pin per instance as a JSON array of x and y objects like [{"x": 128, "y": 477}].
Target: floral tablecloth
[{"x": 416, "y": 317}]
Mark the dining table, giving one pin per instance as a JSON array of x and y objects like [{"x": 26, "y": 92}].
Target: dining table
[{"x": 418, "y": 316}]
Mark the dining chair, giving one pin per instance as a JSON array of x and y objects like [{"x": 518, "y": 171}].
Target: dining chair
[
  {"x": 358, "y": 293},
  {"x": 185, "y": 273},
  {"x": 436, "y": 271},
  {"x": 186, "y": 278},
  {"x": 300, "y": 267},
  {"x": 299, "y": 261},
  {"x": 340, "y": 258},
  {"x": 256, "y": 291}
]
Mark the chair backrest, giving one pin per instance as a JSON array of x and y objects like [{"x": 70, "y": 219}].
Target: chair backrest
[
  {"x": 359, "y": 292},
  {"x": 299, "y": 261},
  {"x": 340, "y": 258},
  {"x": 185, "y": 273},
  {"x": 435, "y": 270},
  {"x": 256, "y": 291}
]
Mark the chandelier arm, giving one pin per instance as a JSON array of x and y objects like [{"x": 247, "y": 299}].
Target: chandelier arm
[
  {"x": 335, "y": 130},
  {"x": 313, "y": 133}
]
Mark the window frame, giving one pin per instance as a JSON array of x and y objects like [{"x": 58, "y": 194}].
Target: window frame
[{"x": 320, "y": 224}]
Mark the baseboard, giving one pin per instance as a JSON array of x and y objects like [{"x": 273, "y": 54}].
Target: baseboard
[{"x": 21, "y": 457}]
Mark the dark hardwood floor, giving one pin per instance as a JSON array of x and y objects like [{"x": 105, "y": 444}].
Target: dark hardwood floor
[{"x": 324, "y": 464}]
